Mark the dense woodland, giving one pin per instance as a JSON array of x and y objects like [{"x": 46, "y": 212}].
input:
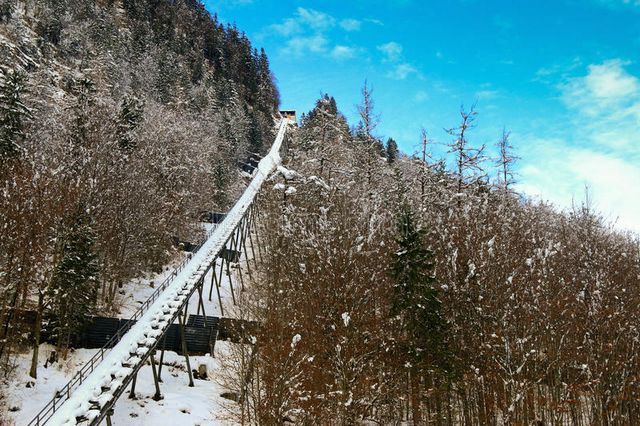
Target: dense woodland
[
  {"x": 399, "y": 289},
  {"x": 120, "y": 121},
  {"x": 392, "y": 289}
]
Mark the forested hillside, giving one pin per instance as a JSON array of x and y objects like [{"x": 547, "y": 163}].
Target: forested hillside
[
  {"x": 386, "y": 288},
  {"x": 120, "y": 122},
  {"x": 397, "y": 289}
]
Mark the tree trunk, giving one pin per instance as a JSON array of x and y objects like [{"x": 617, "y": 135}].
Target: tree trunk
[
  {"x": 37, "y": 327},
  {"x": 416, "y": 413},
  {"x": 7, "y": 324}
]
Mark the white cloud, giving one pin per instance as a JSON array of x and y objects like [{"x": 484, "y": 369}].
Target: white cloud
[
  {"x": 317, "y": 20},
  {"x": 600, "y": 150},
  {"x": 611, "y": 81},
  {"x": 486, "y": 94},
  {"x": 304, "y": 19},
  {"x": 605, "y": 83},
  {"x": 314, "y": 44},
  {"x": 607, "y": 104},
  {"x": 561, "y": 173},
  {"x": 343, "y": 52},
  {"x": 374, "y": 21},
  {"x": 392, "y": 51},
  {"x": 309, "y": 31},
  {"x": 402, "y": 71},
  {"x": 563, "y": 70},
  {"x": 287, "y": 27},
  {"x": 351, "y": 24},
  {"x": 421, "y": 96},
  {"x": 618, "y": 3}
]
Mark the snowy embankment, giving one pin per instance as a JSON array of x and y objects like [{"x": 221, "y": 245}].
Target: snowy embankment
[
  {"x": 180, "y": 405},
  {"x": 107, "y": 381}
]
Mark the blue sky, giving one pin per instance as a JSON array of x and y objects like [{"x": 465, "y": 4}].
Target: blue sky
[{"x": 563, "y": 76}]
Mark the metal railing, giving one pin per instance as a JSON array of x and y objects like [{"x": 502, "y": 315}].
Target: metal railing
[{"x": 64, "y": 394}]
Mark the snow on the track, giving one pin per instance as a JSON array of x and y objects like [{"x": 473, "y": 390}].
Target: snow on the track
[
  {"x": 99, "y": 388},
  {"x": 180, "y": 404}
]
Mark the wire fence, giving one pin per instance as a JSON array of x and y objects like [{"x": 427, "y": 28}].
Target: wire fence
[{"x": 64, "y": 393}]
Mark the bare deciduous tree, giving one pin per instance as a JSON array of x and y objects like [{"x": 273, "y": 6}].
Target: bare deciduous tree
[
  {"x": 468, "y": 160},
  {"x": 505, "y": 162}
]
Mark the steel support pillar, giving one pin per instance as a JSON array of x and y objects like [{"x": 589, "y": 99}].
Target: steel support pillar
[
  {"x": 132, "y": 393},
  {"x": 156, "y": 377},
  {"x": 185, "y": 351},
  {"x": 164, "y": 343},
  {"x": 201, "y": 302},
  {"x": 233, "y": 295}
]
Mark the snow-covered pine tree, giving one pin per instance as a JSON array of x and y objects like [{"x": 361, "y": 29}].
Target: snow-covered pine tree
[
  {"x": 6, "y": 10},
  {"x": 74, "y": 286},
  {"x": 391, "y": 150},
  {"x": 268, "y": 92},
  {"x": 255, "y": 133},
  {"x": 415, "y": 303},
  {"x": 324, "y": 124},
  {"x": 129, "y": 118},
  {"x": 13, "y": 112}
]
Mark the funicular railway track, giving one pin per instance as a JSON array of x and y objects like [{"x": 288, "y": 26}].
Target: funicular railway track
[{"x": 90, "y": 396}]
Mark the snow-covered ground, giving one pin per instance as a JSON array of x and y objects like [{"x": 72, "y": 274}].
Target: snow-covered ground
[
  {"x": 181, "y": 404},
  {"x": 137, "y": 291},
  {"x": 99, "y": 388},
  {"x": 107, "y": 378}
]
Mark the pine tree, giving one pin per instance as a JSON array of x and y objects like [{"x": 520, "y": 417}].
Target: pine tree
[
  {"x": 6, "y": 10},
  {"x": 13, "y": 113},
  {"x": 269, "y": 97},
  {"x": 415, "y": 302},
  {"x": 324, "y": 124},
  {"x": 415, "y": 298},
  {"x": 129, "y": 118},
  {"x": 74, "y": 287},
  {"x": 391, "y": 150},
  {"x": 255, "y": 134},
  {"x": 84, "y": 89}
]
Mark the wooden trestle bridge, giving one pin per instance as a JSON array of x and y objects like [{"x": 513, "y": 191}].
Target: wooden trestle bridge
[{"x": 90, "y": 396}]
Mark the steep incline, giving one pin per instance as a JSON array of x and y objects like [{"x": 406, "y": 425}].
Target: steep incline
[{"x": 98, "y": 391}]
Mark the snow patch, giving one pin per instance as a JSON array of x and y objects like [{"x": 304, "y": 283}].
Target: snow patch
[
  {"x": 290, "y": 191},
  {"x": 296, "y": 339},
  {"x": 346, "y": 318}
]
